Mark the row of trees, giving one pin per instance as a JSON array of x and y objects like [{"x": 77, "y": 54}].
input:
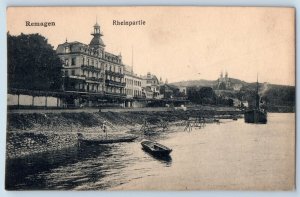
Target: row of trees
[
  {"x": 206, "y": 95},
  {"x": 33, "y": 63},
  {"x": 273, "y": 95}
]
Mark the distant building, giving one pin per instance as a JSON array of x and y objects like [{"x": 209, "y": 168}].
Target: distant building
[
  {"x": 147, "y": 92},
  {"x": 133, "y": 88},
  {"x": 224, "y": 82},
  {"x": 183, "y": 90},
  {"x": 150, "y": 86},
  {"x": 237, "y": 87},
  {"x": 89, "y": 69}
]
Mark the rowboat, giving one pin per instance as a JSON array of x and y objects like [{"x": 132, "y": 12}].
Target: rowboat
[
  {"x": 156, "y": 148},
  {"x": 95, "y": 141}
]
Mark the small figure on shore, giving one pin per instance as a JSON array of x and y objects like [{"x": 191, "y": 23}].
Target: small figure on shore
[
  {"x": 104, "y": 129},
  {"x": 188, "y": 126}
]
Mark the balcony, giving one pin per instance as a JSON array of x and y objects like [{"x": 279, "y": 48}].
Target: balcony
[
  {"x": 114, "y": 94},
  {"x": 94, "y": 79},
  {"x": 90, "y": 68},
  {"x": 116, "y": 74},
  {"x": 73, "y": 89},
  {"x": 76, "y": 77},
  {"x": 139, "y": 97},
  {"x": 114, "y": 83}
]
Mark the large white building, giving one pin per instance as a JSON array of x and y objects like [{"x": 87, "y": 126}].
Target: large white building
[{"x": 133, "y": 88}]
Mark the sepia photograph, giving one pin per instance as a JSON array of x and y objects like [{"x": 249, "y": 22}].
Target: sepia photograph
[{"x": 159, "y": 98}]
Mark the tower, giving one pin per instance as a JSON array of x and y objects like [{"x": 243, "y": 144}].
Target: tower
[{"x": 96, "y": 41}]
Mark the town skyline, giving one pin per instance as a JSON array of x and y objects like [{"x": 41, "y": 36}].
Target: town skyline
[{"x": 161, "y": 45}]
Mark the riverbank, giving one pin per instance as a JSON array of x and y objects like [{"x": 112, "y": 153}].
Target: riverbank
[
  {"x": 255, "y": 156},
  {"x": 30, "y": 133}
]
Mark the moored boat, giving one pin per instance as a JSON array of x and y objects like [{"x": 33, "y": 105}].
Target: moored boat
[
  {"x": 256, "y": 115},
  {"x": 95, "y": 141},
  {"x": 156, "y": 148}
]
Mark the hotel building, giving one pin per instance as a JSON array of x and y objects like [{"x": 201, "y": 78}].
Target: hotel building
[{"x": 89, "y": 69}]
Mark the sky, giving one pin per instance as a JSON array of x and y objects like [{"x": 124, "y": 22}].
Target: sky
[{"x": 179, "y": 43}]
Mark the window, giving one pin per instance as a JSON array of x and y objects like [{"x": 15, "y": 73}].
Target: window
[
  {"x": 67, "y": 49},
  {"x": 73, "y": 61},
  {"x": 67, "y": 62},
  {"x": 66, "y": 73},
  {"x": 73, "y": 72}
]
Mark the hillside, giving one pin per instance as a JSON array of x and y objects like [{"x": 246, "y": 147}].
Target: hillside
[
  {"x": 207, "y": 83},
  {"x": 279, "y": 98}
]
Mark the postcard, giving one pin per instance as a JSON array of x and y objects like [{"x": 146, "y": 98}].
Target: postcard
[{"x": 168, "y": 98}]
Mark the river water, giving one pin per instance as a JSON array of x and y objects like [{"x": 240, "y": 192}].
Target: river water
[{"x": 229, "y": 155}]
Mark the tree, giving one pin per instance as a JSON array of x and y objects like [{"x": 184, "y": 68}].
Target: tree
[
  {"x": 32, "y": 63},
  {"x": 204, "y": 95}
]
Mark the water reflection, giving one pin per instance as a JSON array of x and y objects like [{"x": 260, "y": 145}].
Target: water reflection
[
  {"x": 26, "y": 173},
  {"x": 165, "y": 159}
]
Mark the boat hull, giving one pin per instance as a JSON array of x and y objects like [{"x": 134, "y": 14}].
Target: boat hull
[
  {"x": 106, "y": 141},
  {"x": 155, "y": 148},
  {"x": 255, "y": 116}
]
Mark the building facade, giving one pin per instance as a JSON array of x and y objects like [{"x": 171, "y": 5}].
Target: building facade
[
  {"x": 150, "y": 86},
  {"x": 88, "y": 68},
  {"x": 133, "y": 88}
]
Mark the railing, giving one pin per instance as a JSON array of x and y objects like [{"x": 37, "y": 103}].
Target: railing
[
  {"x": 139, "y": 97},
  {"x": 91, "y": 78},
  {"x": 90, "y": 68},
  {"x": 115, "y": 94},
  {"x": 95, "y": 79},
  {"x": 72, "y": 89},
  {"x": 109, "y": 72},
  {"x": 75, "y": 77},
  {"x": 114, "y": 83}
]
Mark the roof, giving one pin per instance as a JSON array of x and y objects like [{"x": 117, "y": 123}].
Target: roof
[
  {"x": 151, "y": 77},
  {"x": 96, "y": 41}
]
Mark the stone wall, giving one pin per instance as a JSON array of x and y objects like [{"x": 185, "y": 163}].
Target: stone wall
[{"x": 25, "y": 143}]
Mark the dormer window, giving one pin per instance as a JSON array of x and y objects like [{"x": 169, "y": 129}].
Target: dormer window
[{"x": 67, "y": 49}]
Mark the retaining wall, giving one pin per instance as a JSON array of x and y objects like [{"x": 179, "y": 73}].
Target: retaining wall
[{"x": 20, "y": 144}]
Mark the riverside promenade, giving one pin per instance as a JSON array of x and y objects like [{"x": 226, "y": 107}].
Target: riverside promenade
[{"x": 144, "y": 109}]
